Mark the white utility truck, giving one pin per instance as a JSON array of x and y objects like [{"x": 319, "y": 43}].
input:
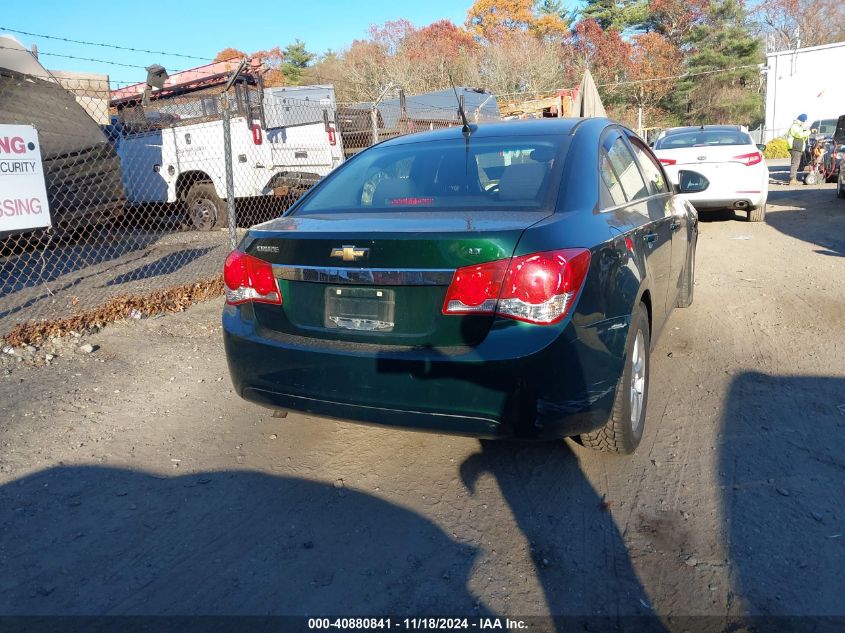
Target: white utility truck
[{"x": 171, "y": 143}]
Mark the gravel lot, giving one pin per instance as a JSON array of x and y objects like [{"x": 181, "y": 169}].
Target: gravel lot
[{"x": 134, "y": 481}]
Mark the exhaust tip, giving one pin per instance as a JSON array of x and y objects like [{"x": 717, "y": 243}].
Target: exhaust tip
[{"x": 741, "y": 204}]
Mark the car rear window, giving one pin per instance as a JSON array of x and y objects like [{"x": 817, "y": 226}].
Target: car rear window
[
  {"x": 517, "y": 173},
  {"x": 703, "y": 138}
]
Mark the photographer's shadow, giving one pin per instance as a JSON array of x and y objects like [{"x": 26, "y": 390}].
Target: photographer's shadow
[
  {"x": 580, "y": 559},
  {"x": 88, "y": 540}
]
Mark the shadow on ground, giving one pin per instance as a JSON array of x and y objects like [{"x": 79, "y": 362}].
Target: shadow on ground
[
  {"x": 166, "y": 264},
  {"x": 783, "y": 480},
  {"x": 817, "y": 216},
  {"x": 92, "y": 540},
  {"x": 580, "y": 559}
]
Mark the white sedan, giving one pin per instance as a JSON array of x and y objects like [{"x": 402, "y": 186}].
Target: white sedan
[{"x": 728, "y": 159}]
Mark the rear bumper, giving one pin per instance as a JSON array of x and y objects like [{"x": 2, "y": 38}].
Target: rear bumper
[
  {"x": 564, "y": 386},
  {"x": 729, "y": 184},
  {"x": 741, "y": 202}
]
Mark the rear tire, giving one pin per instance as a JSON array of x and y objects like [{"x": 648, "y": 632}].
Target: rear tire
[
  {"x": 757, "y": 214},
  {"x": 206, "y": 211},
  {"x": 685, "y": 295},
  {"x": 624, "y": 430}
]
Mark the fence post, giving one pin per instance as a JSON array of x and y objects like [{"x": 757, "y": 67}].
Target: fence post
[
  {"x": 374, "y": 120},
  {"x": 230, "y": 177}
]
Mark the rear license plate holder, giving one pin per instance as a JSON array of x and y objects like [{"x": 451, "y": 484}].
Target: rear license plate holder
[{"x": 369, "y": 310}]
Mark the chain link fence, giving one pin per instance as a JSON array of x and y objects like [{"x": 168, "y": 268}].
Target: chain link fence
[{"x": 149, "y": 190}]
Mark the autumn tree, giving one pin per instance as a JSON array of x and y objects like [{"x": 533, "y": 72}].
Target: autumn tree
[
  {"x": 229, "y": 53},
  {"x": 813, "y": 22},
  {"x": 272, "y": 59},
  {"x": 674, "y": 18},
  {"x": 654, "y": 60},
  {"x": 493, "y": 19},
  {"x": 436, "y": 52},
  {"x": 358, "y": 73},
  {"x": 603, "y": 51}
]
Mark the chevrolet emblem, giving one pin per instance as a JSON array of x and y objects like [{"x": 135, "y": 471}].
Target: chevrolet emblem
[{"x": 350, "y": 253}]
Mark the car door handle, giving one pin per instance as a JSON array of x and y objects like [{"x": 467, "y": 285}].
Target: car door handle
[
  {"x": 676, "y": 224},
  {"x": 650, "y": 238}
]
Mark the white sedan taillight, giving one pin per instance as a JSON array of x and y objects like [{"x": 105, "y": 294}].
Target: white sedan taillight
[{"x": 749, "y": 159}]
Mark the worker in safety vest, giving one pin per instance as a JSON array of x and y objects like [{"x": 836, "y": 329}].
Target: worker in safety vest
[{"x": 797, "y": 137}]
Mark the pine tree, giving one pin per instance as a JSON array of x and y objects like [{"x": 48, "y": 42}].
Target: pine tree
[
  {"x": 616, "y": 14},
  {"x": 551, "y": 7},
  {"x": 297, "y": 59},
  {"x": 722, "y": 41}
]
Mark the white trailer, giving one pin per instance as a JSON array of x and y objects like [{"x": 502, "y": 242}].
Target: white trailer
[{"x": 172, "y": 149}]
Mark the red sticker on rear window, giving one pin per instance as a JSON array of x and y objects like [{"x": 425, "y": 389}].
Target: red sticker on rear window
[{"x": 410, "y": 201}]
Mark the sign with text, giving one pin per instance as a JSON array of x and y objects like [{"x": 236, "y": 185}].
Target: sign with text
[{"x": 23, "y": 194}]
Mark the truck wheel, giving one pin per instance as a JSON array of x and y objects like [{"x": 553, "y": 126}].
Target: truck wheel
[
  {"x": 206, "y": 211},
  {"x": 757, "y": 214},
  {"x": 624, "y": 430},
  {"x": 685, "y": 295}
]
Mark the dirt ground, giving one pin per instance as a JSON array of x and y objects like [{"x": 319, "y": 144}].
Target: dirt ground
[{"x": 134, "y": 481}]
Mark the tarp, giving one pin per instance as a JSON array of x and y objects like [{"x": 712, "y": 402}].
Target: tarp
[
  {"x": 81, "y": 168},
  {"x": 588, "y": 102},
  {"x": 15, "y": 56}
]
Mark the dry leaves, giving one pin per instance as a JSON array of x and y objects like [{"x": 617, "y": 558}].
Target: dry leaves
[{"x": 170, "y": 300}]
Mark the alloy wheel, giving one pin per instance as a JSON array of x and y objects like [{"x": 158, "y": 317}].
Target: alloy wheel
[{"x": 638, "y": 381}]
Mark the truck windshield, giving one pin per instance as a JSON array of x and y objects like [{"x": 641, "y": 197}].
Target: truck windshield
[{"x": 519, "y": 173}]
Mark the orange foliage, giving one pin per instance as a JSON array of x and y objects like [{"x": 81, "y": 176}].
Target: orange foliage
[
  {"x": 604, "y": 52},
  {"x": 440, "y": 39},
  {"x": 271, "y": 59},
  {"x": 492, "y": 19},
  {"x": 229, "y": 53},
  {"x": 653, "y": 56}
]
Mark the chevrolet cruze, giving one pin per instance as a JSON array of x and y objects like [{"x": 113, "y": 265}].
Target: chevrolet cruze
[{"x": 507, "y": 280}]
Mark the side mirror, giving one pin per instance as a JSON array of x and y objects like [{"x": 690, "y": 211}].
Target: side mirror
[
  {"x": 761, "y": 147},
  {"x": 691, "y": 182}
]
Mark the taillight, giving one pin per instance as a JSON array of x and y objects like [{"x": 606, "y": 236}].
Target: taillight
[
  {"x": 537, "y": 288},
  {"x": 667, "y": 161},
  {"x": 257, "y": 138},
  {"x": 475, "y": 289},
  {"x": 332, "y": 139},
  {"x": 248, "y": 278},
  {"x": 749, "y": 159}
]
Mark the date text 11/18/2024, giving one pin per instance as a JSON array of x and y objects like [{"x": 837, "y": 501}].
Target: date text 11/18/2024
[{"x": 417, "y": 624}]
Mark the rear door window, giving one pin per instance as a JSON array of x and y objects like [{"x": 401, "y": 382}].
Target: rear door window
[
  {"x": 514, "y": 173},
  {"x": 651, "y": 169},
  {"x": 627, "y": 171},
  {"x": 611, "y": 191}
]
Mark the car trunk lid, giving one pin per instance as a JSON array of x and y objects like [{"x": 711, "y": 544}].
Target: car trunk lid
[{"x": 378, "y": 277}]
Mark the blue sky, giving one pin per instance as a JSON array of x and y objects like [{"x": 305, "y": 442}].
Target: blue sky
[{"x": 202, "y": 27}]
